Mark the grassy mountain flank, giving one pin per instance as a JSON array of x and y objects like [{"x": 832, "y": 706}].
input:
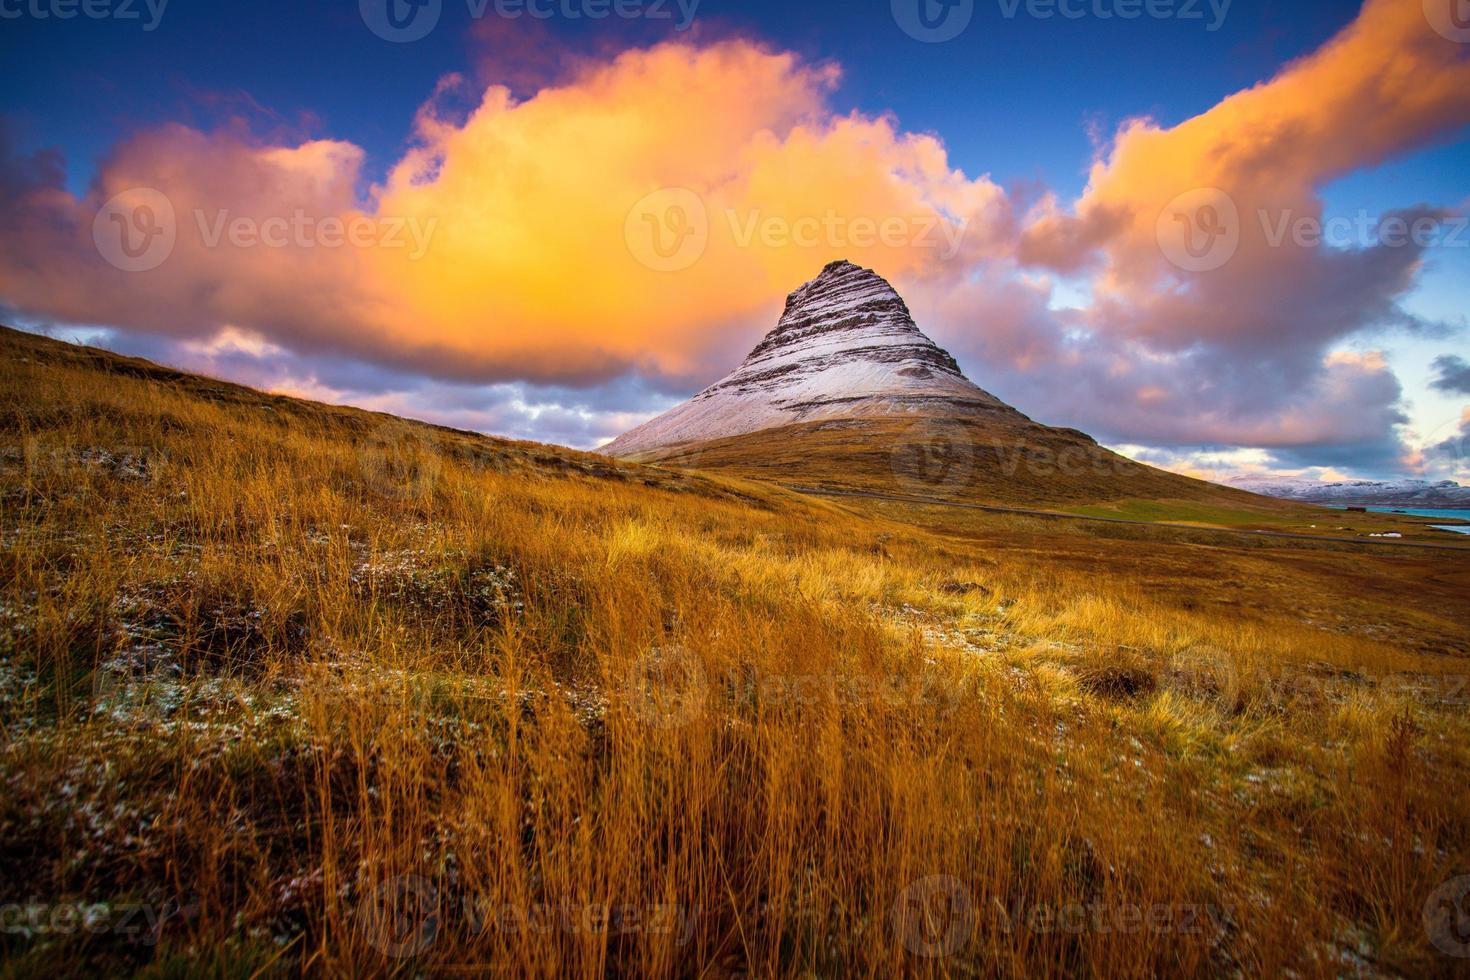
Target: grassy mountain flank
[{"x": 985, "y": 460}]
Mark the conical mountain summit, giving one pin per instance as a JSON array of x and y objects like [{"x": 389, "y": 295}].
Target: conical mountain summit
[{"x": 846, "y": 347}]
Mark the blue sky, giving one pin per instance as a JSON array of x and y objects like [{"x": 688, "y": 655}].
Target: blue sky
[{"x": 1014, "y": 97}]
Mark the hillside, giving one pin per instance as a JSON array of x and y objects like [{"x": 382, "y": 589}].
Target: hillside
[
  {"x": 289, "y": 689},
  {"x": 979, "y": 460}
]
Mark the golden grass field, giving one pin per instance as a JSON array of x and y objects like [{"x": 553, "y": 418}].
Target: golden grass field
[
  {"x": 1011, "y": 461},
  {"x": 290, "y": 689}
]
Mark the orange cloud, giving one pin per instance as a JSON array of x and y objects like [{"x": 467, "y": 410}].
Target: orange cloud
[
  {"x": 528, "y": 270},
  {"x": 1387, "y": 83},
  {"x": 1206, "y": 324},
  {"x": 533, "y": 265}
]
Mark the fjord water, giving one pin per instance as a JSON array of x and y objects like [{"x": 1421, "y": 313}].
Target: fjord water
[{"x": 1443, "y": 514}]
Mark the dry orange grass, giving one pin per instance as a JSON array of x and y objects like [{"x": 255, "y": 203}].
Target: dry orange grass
[{"x": 288, "y": 689}]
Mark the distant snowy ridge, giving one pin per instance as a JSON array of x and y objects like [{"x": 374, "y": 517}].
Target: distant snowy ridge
[
  {"x": 1363, "y": 493},
  {"x": 846, "y": 347}
]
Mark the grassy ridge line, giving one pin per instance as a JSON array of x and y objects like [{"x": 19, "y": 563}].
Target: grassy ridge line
[
  {"x": 272, "y": 676},
  {"x": 993, "y": 509},
  {"x": 989, "y": 459},
  {"x": 353, "y": 424}
]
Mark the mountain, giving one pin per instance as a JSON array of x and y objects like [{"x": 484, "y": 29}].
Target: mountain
[
  {"x": 1422, "y": 494},
  {"x": 848, "y": 392},
  {"x": 846, "y": 347}
]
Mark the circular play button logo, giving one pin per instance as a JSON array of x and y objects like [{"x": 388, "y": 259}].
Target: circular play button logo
[{"x": 401, "y": 21}]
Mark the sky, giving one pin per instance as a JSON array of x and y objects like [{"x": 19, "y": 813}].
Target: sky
[{"x": 1228, "y": 237}]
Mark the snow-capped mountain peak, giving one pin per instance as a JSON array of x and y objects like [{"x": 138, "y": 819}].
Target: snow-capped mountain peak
[
  {"x": 845, "y": 347},
  {"x": 1364, "y": 493}
]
